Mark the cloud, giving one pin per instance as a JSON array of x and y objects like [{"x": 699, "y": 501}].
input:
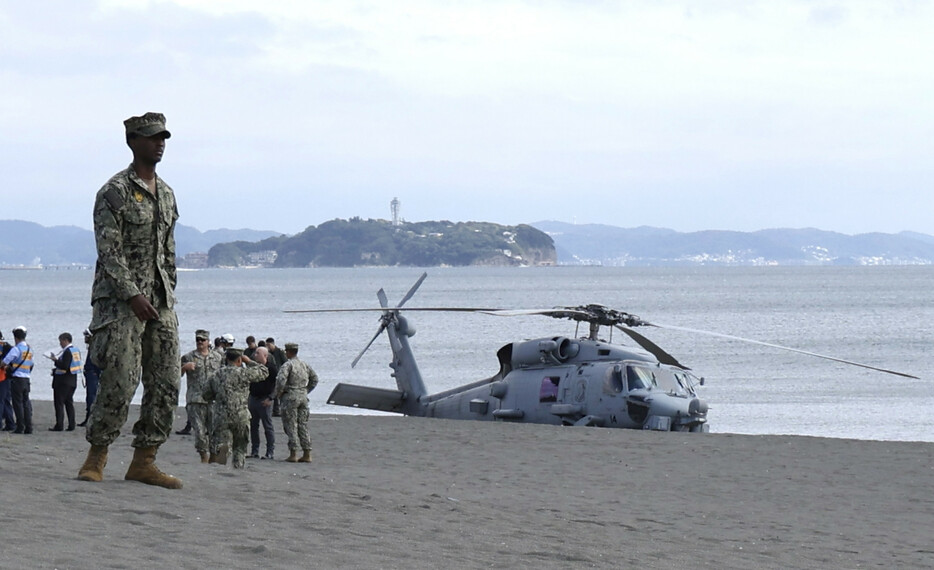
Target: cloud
[{"x": 608, "y": 110}]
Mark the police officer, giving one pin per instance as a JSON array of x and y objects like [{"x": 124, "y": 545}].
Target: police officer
[
  {"x": 19, "y": 369},
  {"x": 134, "y": 326}
]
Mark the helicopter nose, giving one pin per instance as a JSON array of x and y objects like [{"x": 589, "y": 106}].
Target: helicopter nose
[{"x": 697, "y": 407}]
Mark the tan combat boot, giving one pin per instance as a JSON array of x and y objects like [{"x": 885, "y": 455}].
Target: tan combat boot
[
  {"x": 143, "y": 469},
  {"x": 306, "y": 456},
  {"x": 293, "y": 456},
  {"x": 221, "y": 456},
  {"x": 205, "y": 458},
  {"x": 93, "y": 468}
]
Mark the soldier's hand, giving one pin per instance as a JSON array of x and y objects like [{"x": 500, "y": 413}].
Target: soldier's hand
[{"x": 142, "y": 308}]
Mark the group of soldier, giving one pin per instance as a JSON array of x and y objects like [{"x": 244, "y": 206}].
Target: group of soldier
[{"x": 232, "y": 391}]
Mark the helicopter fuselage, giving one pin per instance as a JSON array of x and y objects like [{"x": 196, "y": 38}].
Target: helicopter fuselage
[
  {"x": 578, "y": 382},
  {"x": 554, "y": 380}
]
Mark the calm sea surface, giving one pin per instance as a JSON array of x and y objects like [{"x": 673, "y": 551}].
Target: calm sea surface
[{"x": 878, "y": 315}]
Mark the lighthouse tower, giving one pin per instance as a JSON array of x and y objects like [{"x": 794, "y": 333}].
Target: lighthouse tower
[{"x": 395, "y": 205}]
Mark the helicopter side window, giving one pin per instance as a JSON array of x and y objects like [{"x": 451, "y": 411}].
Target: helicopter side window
[
  {"x": 686, "y": 386},
  {"x": 639, "y": 378},
  {"x": 613, "y": 381},
  {"x": 549, "y": 390}
]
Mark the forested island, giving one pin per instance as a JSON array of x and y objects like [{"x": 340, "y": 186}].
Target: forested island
[{"x": 357, "y": 242}]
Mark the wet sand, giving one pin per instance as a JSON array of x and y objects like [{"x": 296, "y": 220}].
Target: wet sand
[{"x": 394, "y": 492}]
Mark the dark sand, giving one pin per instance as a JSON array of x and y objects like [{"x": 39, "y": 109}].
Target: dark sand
[{"x": 393, "y": 492}]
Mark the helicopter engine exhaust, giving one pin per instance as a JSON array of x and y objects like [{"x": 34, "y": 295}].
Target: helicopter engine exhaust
[{"x": 556, "y": 350}]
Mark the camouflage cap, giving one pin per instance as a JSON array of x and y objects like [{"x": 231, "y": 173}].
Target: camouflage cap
[
  {"x": 233, "y": 353},
  {"x": 291, "y": 346},
  {"x": 147, "y": 125},
  {"x": 202, "y": 334}
]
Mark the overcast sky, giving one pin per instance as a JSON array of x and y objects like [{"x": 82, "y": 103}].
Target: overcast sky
[{"x": 739, "y": 115}]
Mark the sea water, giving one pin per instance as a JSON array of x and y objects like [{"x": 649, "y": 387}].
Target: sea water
[{"x": 877, "y": 315}]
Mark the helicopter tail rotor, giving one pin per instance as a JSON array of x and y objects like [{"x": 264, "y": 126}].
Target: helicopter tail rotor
[{"x": 389, "y": 314}]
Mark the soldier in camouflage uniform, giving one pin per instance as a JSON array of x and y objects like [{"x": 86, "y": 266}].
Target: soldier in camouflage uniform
[
  {"x": 134, "y": 326},
  {"x": 229, "y": 388},
  {"x": 199, "y": 365},
  {"x": 293, "y": 383}
]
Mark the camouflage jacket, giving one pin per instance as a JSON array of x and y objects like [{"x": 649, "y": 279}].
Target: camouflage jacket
[
  {"x": 135, "y": 234},
  {"x": 295, "y": 380},
  {"x": 229, "y": 387},
  {"x": 197, "y": 379}
]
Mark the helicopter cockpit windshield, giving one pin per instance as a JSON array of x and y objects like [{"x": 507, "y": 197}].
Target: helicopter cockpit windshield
[{"x": 639, "y": 377}]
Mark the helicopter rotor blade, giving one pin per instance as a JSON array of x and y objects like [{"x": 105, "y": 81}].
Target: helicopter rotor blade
[
  {"x": 413, "y": 289},
  {"x": 556, "y": 313},
  {"x": 485, "y": 310},
  {"x": 656, "y": 351},
  {"x": 384, "y": 302},
  {"x": 788, "y": 348},
  {"x": 379, "y": 331}
]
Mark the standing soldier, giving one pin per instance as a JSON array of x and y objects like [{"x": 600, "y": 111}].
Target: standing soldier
[
  {"x": 198, "y": 365},
  {"x": 134, "y": 326},
  {"x": 229, "y": 387},
  {"x": 293, "y": 383}
]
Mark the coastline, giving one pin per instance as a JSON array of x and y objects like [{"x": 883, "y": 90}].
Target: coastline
[{"x": 399, "y": 492}]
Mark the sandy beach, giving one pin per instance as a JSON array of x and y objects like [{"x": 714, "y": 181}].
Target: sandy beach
[{"x": 395, "y": 492}]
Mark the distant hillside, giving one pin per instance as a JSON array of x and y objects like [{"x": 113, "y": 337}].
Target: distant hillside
[
  {"x": 28, "y": 243},
  {"x": 645, "y": 246},
  {"x": 376, "y": 242},
  {"x": 357, "y": 242}
]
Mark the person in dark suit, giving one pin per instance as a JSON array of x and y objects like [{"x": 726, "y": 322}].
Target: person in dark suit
[{"x": 65, "y": 382}]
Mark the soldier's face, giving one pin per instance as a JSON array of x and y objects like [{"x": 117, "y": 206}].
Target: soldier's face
[{"x": 148, "y": 149}]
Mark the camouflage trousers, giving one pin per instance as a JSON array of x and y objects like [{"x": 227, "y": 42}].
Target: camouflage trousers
[
  {"x": 295, "y": 425},
  {"x": 235, "y": 431},
  {"x": 200, "y": 417},
  {"x": 129, "y": 351},
  {"x": 218, "y": 433}
]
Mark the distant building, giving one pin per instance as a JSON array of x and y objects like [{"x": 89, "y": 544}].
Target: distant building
[
  {"x": 265, "y": 257},
  {"x": 194, "y": 260}
]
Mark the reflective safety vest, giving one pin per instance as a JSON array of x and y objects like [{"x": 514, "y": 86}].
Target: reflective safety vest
[
  {"x": 75, "y": 362},
  {"x": 24, "y": 362}
]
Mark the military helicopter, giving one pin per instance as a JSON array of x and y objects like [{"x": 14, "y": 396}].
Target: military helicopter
[{"x": 556, "y": 380}]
